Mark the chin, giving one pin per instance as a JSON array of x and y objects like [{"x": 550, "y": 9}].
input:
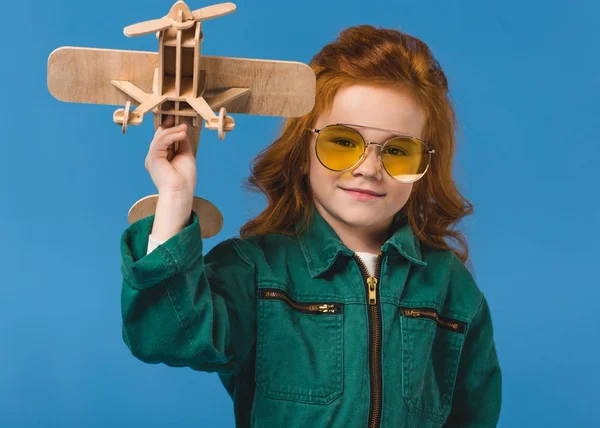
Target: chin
[
  {"x": 359, "y": 223},
  {"x": 355, "y": 215}
]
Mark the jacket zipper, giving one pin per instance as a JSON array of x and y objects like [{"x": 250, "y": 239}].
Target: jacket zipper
[
  {"x": 309, "y": 308},
  {"x": 371, "y": 283}
]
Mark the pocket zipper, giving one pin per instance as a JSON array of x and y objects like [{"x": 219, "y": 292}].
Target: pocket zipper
[
  {"x": 432, "y": 314},
  {"x": 308, "y": 307}
]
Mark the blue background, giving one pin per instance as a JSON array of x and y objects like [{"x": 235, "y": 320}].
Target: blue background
[{"x": 525, "y": 83}]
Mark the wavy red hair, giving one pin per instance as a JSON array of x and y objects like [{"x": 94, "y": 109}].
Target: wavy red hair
[{"x": 377, "y": 56}]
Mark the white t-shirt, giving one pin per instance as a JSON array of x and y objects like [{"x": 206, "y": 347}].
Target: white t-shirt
[
  {"x": 152, "y": 244},
  {"x": 368, "y": 258}
]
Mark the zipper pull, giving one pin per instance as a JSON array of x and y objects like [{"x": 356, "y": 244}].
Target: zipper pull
[
  {"x": 327, "y": 308},
  {"x": 372, "y": 283}
]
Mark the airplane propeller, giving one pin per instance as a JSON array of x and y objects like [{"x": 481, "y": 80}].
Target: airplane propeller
[
  {"x": 179, "y": 17},
  {"x": 148, "y": 27},
  {"x": 213, "y": 11}
]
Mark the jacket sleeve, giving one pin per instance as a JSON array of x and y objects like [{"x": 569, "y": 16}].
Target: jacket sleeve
[
  {"x": 181, "y": 308},
  {"x": 478, "y": 393}
]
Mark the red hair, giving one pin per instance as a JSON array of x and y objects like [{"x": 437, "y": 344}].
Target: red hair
[{"x": 367, "y": 55}]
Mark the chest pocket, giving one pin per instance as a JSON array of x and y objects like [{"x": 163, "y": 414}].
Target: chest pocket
[
  {"x": 299, "y": 350},
  {"x": 431, "y": 348}
]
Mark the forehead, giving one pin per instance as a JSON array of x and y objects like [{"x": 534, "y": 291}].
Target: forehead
[{"x": 378, "y": 107}]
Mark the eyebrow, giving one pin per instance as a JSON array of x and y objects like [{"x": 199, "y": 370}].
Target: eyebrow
[{"x": 390, "y": 133}]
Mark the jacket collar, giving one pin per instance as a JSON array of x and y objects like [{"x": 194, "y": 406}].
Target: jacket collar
[{"x": 321, "y": 245}]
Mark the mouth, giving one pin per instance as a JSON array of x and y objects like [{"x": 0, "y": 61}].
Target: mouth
[{"x": 364, "y": 194}]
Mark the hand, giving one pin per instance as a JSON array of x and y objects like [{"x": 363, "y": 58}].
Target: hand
[{"x": 176, "y": 175}]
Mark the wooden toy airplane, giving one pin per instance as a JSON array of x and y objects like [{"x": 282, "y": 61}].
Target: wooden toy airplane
[{"x": 179, "y": 81}]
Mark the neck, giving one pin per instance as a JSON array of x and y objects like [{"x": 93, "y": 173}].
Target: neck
[{"x": 368, "y": 239}]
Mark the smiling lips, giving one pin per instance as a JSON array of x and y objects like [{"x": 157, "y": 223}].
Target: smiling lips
[{"x": 363, "y": 194}]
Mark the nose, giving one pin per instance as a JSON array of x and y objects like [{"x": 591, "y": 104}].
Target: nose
[{"x": 370, "y": 165}]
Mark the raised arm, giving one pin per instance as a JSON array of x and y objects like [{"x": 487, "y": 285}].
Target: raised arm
[{"x": 182, "y": 309}]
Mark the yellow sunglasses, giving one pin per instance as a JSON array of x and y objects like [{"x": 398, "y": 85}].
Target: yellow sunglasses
[{"x": 340, "y": 147}]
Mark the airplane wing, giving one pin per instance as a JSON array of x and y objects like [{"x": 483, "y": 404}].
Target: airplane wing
[
  {"x": 84, "y": 75},
  {"x": 277, "y": 88}
]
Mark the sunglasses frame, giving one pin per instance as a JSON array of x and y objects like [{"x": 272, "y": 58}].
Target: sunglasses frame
[{"x": 397, "y": 134}]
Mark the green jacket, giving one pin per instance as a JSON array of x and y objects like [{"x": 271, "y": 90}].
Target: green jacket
[{"x": 301, "y": 336}]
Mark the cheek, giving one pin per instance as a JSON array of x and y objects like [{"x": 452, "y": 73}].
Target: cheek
[
  {"x": 322, "y": 179},
  {"x": 321, "y": 176},
  {"x": 316, "y": 170},
  {"x": 400, "y": 192}
]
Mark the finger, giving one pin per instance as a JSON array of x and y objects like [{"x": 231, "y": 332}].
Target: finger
[
  {"x": 168, "y": 139},
  {"x": 159, "y": 137},
  {"x": 170, "y": 154},
  {"x": 185, "y": 146},
  {"x": 167, "y": 123},
  {"x": 175, "y": 130},
  {"x": 166, "y": 131},
  {"x": 160, "y": 146}
]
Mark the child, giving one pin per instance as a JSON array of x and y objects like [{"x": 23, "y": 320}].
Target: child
[{"x": 341, "y": 304}]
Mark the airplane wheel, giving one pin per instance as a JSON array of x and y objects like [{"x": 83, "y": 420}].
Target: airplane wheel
[
  {"x": 222, "y": 115},
  {"x": 125, "y": 116},
  {"x": 209, "y": 216}
]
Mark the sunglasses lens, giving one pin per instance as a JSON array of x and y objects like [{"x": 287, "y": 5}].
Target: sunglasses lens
[
  {"x": 405, "y": 159},
  {"x": 339, "y": 147}
]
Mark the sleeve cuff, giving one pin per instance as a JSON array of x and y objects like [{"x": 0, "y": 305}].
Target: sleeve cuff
[{"x": 142, "y": 269}]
